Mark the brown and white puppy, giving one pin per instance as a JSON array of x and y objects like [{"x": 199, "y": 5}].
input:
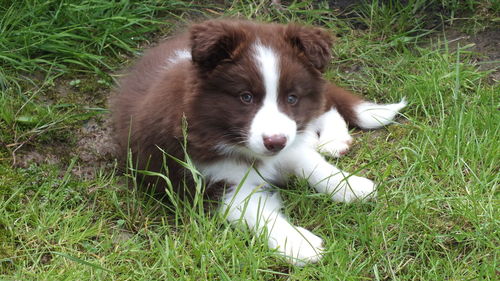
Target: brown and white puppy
[{"x": 257, "y": 109}]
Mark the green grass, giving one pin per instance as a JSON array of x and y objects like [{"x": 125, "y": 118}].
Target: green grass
[{"x": 437, "y": 216}]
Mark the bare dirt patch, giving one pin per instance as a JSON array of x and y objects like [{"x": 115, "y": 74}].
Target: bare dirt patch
[
  {"x": 485, "y": 45},
  {"x": 94, "y": 150},
  {"x": 88, "y": 140}
]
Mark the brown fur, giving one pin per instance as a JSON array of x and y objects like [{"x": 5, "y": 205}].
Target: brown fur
[{"x": 343, "y": 100}]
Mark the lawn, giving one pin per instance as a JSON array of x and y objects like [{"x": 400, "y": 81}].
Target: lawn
[{"x": 68, "y": 213}]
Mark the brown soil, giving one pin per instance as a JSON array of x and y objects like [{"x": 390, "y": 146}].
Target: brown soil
[
  {"x": 94, "y": 150},
  {"x": 485, "y": 45}
]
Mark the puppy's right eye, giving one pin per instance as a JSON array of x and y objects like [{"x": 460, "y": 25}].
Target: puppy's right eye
[{"x": 246, "y": 97}]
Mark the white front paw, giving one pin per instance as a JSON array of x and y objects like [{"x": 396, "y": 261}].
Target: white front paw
[
  {"x": 298, "y": 245},
  {"x": 356, "y": 188},
  {"x": 335, "y": 147}
]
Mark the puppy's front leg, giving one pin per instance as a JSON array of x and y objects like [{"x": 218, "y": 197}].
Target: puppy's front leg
[
  {"x": 334, "y": 138},
  {"x": 260, "y": 210},
  {"x": 326, "y": 178}
]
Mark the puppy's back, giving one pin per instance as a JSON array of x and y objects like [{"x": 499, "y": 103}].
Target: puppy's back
[{"x": 148, "y": 104}]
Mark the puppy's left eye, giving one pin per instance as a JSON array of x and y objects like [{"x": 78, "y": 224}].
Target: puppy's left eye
[
  {"x": 292, "y": 99},
  {"x": 246, "y": 97}
]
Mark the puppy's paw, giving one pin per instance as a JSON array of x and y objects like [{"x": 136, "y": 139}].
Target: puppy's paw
[
  {"x": 335, "y": 147},
  {"x": 356, "y": 188},
  {"x": 298, "y": 245}
]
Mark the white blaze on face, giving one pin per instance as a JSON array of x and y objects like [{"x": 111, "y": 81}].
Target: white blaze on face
[{"x": 269, "y": 120}]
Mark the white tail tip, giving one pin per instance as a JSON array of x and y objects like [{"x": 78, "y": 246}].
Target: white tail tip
[{"x": 372, "y": 115}]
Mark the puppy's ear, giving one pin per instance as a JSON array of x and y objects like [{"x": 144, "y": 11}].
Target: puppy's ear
[
  {"x": 215, "y": 41},
  {"x": 313, "y": 43}
]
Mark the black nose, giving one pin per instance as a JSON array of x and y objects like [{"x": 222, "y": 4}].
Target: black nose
[{"x": 274, "y": 143}]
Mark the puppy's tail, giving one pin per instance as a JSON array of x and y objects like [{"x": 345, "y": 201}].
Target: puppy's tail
[{"x": 361, "y": 113}]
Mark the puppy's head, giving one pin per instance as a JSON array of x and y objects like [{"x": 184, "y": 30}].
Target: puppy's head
[{"x": 259, "y": 84}]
